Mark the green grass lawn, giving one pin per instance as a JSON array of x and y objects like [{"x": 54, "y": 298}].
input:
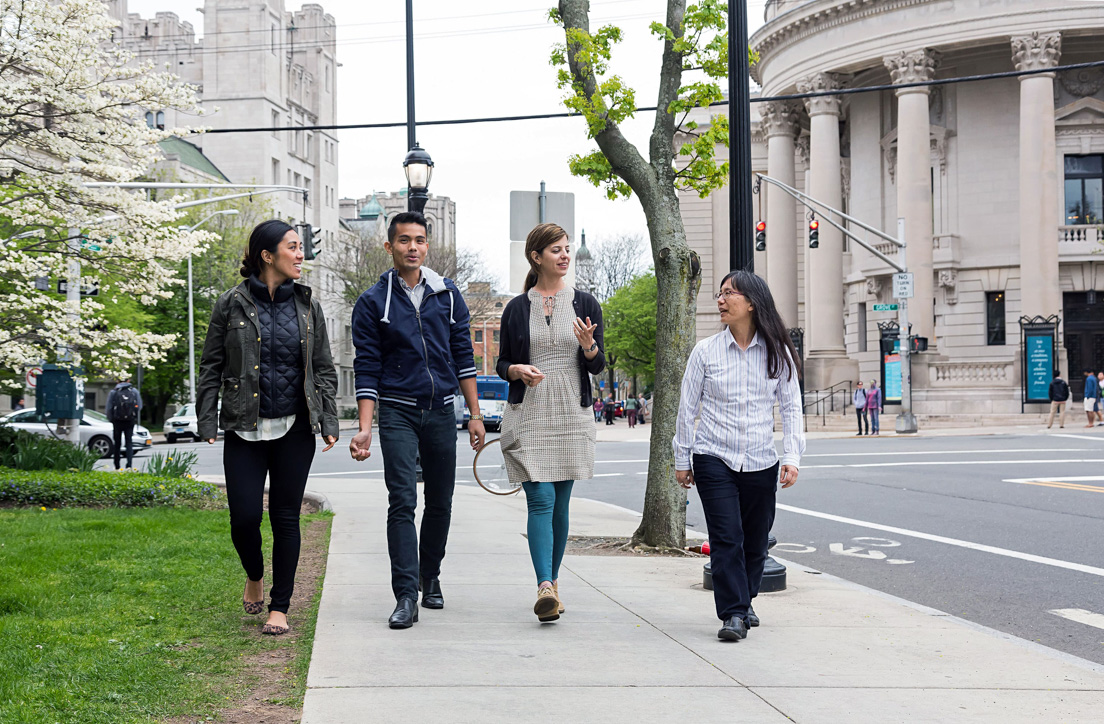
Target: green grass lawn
[{"x": 123, "y": 615}]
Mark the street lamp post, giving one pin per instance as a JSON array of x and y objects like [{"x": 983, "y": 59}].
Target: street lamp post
[
  {"x": 418, "y": 165},
  {"x": 191, "y": 306},
  {"x": 739, "y": 139}
]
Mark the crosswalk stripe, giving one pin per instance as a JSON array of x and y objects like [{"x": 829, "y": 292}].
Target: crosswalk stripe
[{"x": 1080, "y": 615}]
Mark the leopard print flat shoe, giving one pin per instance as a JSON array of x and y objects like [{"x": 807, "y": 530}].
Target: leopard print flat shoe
[
  {"x": 252, "y": 607},
  {"x": 274, "y": 630}
]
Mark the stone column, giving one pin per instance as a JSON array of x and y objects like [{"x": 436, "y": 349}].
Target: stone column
[
  {"x": 1038, "y": 202},
  {"x": 826, "y": 362},
  {"x": 779, "y": 122},
  {"x": 914, "y": 188}
]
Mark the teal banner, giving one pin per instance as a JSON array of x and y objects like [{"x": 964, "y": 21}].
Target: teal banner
[{"x": 1038, "y": 366}]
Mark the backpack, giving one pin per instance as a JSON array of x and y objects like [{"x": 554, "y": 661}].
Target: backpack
[
  {"x": 1061, "y": 390},
  {"x": 124, "y": 406}
]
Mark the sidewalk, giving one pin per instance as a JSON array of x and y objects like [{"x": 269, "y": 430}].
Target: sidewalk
[{"x": 638, "y": 641}]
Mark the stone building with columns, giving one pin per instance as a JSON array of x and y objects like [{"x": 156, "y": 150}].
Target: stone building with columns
[{"x": 1000, "y": 183}]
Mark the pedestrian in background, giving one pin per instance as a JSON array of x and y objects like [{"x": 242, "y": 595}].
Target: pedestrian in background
[
  {"x": 413, "y": 350},
  {"x": 1059, "y": 393},
  {"x": 610, "y": 409},
  {"x": 732, "y": 382},
  {"x": 551, "y": 345},
  {"x": 20, "y": 406},
  {"x": 1091, "y": 399},
  {"x": 268, "y": 351},
  {"x": 858, "y": 399},
  {"x": 630, "y": 410},
  {"x": 1099, "y": 409},
  {"x": 124, "y": 407},
  {"x": 642, "y": 408},
  {"x": 874, "y": 406},
  {"x": 597, "y": 408}
]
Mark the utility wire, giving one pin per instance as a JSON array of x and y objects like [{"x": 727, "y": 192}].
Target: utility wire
[{"x": 762, "y": 99}]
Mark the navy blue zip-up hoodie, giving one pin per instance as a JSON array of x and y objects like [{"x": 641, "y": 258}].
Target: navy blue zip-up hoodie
[{"x": 408, "y": 356}]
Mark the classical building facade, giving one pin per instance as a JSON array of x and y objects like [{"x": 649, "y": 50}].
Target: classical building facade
[{"x": 1000, "y": 184}]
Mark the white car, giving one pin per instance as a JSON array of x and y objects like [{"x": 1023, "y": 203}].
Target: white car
[
  {"x": 95, "y": 431},
  {"x": 183, "y": 424}
]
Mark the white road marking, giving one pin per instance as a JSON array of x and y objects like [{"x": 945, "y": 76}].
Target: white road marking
[
  {"x": 955, "y": 462},
  {"x": 1080, "y": 615},
  {"x": 877, "y": 542},
  {"x": 793, "y": 548},
  {"x": 1079, "y": 437},
  {"x": 1074, "y": 479},
  {"x": 1030, "y": 557},
  {"x": 945, "y": 452},
  {"x": 898, "y": 561},
  {"x": 855, "y": 552}
]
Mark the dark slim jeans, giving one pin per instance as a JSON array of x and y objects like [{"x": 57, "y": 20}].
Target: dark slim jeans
[
  {"x": 739, "y": 513},
  {"x": 405, "y": 432},
  {"x": 123, "y": 431},
  {"x": 861, "y": 414},
  {"x": 286, "y": 462}
]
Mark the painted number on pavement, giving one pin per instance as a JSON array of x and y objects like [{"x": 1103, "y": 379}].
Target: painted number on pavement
[{"x": 873, "y": 554}]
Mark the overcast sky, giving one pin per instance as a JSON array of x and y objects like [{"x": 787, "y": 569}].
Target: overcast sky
[{"x": 474, "y": 60}]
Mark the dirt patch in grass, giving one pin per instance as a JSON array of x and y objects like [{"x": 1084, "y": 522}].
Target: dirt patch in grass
[
  {"x": 578, "y": 545},
  {"x": 276, "y": 680}
]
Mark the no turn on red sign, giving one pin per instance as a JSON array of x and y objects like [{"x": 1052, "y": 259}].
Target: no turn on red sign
[{"x": 32, "y": 376}]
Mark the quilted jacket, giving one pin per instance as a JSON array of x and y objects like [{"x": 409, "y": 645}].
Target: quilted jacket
[{"x": 281, "y": 373}]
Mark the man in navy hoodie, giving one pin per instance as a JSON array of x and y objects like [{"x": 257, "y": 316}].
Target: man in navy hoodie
[{"x": 413, "y": 349}]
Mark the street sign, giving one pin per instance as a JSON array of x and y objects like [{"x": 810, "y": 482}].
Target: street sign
[
  {"x": 902, "y": 285},
  {"x": 525, "y": 212},
  {"x": 88, "y": 291},
  {"x": 32, "y": 376},
  {"x": 885, "y": 307}
]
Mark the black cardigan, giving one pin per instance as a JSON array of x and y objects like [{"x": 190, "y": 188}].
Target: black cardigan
[{"x": 513, "y": 346}]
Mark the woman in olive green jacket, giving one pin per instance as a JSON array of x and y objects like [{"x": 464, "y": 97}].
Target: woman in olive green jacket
[{"x": 268, "y": 352}]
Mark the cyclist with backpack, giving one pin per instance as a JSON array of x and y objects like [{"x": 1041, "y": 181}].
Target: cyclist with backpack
[{"x": 124, "y": 405}]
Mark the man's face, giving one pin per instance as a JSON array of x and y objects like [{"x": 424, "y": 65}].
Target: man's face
[{"x": 409, "y": 249}]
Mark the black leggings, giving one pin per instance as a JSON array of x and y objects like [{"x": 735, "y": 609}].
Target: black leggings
[{"x": 286, "y": 461}]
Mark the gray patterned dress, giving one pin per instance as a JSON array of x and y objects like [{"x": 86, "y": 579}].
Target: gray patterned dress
[{"x": 549, "y": 437}]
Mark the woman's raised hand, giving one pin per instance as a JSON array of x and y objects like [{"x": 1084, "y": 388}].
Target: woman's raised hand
[{"x": 584, "y": 332}]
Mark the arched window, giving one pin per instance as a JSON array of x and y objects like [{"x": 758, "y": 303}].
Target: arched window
[
  {"x": 149, "y": 119},
  {"x": 429, "y": 231},
  {"x": 161, "y": 120}
]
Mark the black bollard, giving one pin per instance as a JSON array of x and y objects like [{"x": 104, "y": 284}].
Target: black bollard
[{"x": 774, "y": 573}]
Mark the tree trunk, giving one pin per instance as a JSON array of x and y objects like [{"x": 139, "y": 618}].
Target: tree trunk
[{"x": 678, "y": 276}]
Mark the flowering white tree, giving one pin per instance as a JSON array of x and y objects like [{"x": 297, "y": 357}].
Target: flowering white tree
[{"x": 72, "y": 105}]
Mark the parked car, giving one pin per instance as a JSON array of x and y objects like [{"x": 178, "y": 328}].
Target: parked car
[
  {"x": 184, "y": 424},
  {"x": 95, "y": 431},
  {"x": 492, "y": 414}
]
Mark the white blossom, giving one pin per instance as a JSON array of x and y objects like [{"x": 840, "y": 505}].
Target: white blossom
[{"x": 72, "y": 105}]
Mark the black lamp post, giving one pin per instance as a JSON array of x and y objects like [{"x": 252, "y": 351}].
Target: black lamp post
[
  {"x": 418, "y": 165},
  {"x": 739, "y": 143},
  {"x": 419, "y": 169}
]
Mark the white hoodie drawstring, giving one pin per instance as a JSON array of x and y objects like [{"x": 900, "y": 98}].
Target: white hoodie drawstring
[
  {"x": 451, "y": 320},
  {"x": 387, "y": 305}
]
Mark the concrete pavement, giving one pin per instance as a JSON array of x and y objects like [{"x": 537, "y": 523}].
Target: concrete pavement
[{"x": 638, "y": 641}]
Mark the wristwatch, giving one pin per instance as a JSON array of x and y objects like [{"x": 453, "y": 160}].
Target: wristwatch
[
  {"x": 478, "y": 418},
  {"x": 593, "y": 347}
]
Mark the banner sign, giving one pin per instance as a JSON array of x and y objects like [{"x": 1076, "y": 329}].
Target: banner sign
[
  {"x": 1038, "y": 365},
  {"x": 891, "y": 376}
]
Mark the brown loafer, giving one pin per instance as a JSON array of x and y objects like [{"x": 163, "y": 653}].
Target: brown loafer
[
  {"x": 556, "y": 590},
  {"x": 547, "y": 605}
]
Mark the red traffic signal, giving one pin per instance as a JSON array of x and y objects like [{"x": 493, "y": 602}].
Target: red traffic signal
[
  {"x": 814, "y": 234},
  {"x": 814, "y": 225},
  {"x": 761, "y": 226}
]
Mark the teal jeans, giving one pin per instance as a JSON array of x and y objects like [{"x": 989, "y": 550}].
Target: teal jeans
[{"x": 548, "y": 521}]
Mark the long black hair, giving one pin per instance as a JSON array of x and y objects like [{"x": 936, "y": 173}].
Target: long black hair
[
  {"x": 768, "y": 322},
  {"x": 266, "y": 236}
]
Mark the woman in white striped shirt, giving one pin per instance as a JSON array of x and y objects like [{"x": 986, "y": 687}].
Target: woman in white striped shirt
[{"x": 731, "y": 383}]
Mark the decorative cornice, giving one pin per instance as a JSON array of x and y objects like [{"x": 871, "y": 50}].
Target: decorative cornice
[
  {"x": 818, "y": 83},
  {"x": 1036, "y": 51},
  {"x": 915, "y": 67},
  {"x": 948, "y": 279},
  {"x": 779, "y": 118}
]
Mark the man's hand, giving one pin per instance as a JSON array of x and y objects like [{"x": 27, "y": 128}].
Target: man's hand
[
  {"x": 476, "y": 433},
  {"x": 331, "y": 439},
  {"x": 788, "y": 476},
  {"x": 359, "y": 446},
  {"x": 685, "y": 478},
  {"x": 530, "y": 375}
]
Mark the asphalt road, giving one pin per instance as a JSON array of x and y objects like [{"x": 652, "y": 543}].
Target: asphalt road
[{"x": 1006, "y": 531}]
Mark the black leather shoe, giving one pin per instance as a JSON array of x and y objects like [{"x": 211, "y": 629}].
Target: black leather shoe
[
  {"x": 752, "y": 618},
  {"x": 431, "y": 594},
  {"x": 734, "y": 629},
  {"x": 405, "y": 614}
]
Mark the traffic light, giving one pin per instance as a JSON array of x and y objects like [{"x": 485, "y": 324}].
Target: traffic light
[
  {"x": 308, "y": 234},
  {"x": 761, "y": 236},
  {"x": 814, "y": 234}
]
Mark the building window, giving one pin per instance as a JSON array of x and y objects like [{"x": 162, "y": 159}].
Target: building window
[
  {"x": 149, "y": 119},
  {"x": 327, "y": 77},
  {"x": 860, "y": 322},
  {"x": 161, "y": 120},
  {"x": 310, "y": 192},
  {"x": 275, "y": 123},
  {"x": 275, "y": 172},
  {"x": 479, "y": 335},
  {"x": 1084, "y": 189},
  {"x": 994, "y": 318},
  {"x": 275, "y": 40},
  {"x": 495, "y": 336}
]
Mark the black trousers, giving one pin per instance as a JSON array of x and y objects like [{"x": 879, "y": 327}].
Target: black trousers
[
  {"x": 285, "y": 462},
  {"x": 739, "y": 513},
  {"x": 405, "y": 433},
  {"x": 860, "y": 413},
  {"x": 123, "y": 431}
]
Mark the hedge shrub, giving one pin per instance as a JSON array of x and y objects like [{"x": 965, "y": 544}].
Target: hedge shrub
[
  {"x": 27, "y": 451},
  {"x": 56, "y": 489}
]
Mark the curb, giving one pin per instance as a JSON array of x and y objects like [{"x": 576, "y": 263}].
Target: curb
[{"x": 318, "y": 499}]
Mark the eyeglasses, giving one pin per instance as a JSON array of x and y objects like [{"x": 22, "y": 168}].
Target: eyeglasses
[{"x": 726, "y": 294}]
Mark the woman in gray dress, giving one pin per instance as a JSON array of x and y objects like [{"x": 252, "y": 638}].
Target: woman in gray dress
[{"x": 551, "y": 342}]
